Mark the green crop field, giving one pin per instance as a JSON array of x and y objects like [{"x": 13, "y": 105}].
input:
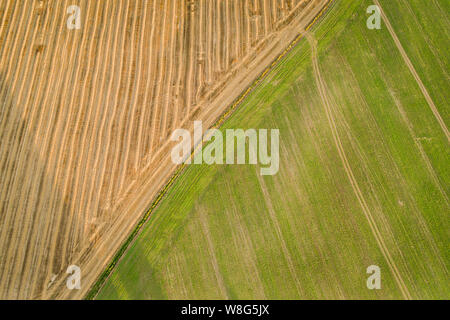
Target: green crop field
[{"x": 364, "y": 177}]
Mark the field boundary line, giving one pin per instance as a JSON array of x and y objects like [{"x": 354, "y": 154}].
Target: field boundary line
[
  {"x": 414, "y": 72},
  {"x": 98, "y": 285}
]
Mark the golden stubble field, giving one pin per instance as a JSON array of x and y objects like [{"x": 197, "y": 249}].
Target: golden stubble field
[{"x": 86, "y": 116}]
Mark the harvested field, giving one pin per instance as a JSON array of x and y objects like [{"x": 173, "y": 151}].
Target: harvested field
[{"x": 85, "y": 117}]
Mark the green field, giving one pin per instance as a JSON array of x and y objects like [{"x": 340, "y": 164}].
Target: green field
[{"x": 311, "y": 231}]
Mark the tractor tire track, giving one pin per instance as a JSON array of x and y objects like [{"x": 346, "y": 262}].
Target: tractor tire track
[
  {"x": 348, "y": 170},
  {"x": 414, "y": 72}
]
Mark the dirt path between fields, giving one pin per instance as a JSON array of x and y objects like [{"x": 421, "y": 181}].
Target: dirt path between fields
[
  {"x": 348, "y": 170},
  {"x": 414, "y": 72}
]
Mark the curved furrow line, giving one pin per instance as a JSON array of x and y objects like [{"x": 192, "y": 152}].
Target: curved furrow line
[
  {"x": 7, "y": 95},
  {"x": 52, "y": 186},
  {"x": 19, "y": 160},
  {"x": 179, "y": 74},
  {"x": 128, "y": 165},
  {"x": 218, "y": 37},
  {"x": 167, "y": 91},
  {"x": 115, "y": 104},
  {"x": 195, "y": 55},
  {"x": 17, "y": 126},
  {"x": 99, "y": 103},
  {"x": 224, "y": 30},
  {"x": 143, "y": 124},
  {"x": 101, "y": 157},
  {"x": 86, "y": 127},
  {"x": 29, "y": 192},
  {"x": 62, "y": 173},
  {"x": 89, "y": 139},
  {"x": 274, "y": 13},
  {"x": 152, "y": 109},
  {"x": 47, "y": 114},
  {"x": 158, "y": 85},
  {"x": 48, "y": 188},
  {"x": 10, "y": 47},
  {"x": 237, "y": 20},
  {"x": 4, "y": 88},
  {"x": 8, "y": 36},
  {"x": 187, "y": 25},
  {"x": 174, "y": 101},
  {"x": 200, "y": 57},
  {"x": 119, "y": 167},
  {"x": 123, "y": 165},
  {"x": 153, "y": 102},
  {"x": 266, "y": 13},
  {"x": 50, "y": 292},
  {"x": 248, "y": 29},
  {"x": 46, "y": 21},
  {"x": 124, "y": 105},
  {"x": 259, "y": 29},
  {"x": 14, "y": 59},
  {"x": 5, "y": 21},
  {"x": 65, "y": 209},
  {"x": 253, "y": 23},
  {"x": 190, "y": 60},
  {"x": 209, "y": 44},
  {"x": 229, "y": 36}
]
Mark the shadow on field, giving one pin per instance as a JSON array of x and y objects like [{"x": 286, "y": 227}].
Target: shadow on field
[
  {"x": 29, "y": 192},
  {"x": 134, "y": 278}
]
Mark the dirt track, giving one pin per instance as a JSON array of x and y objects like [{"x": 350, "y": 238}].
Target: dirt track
[
  {"x": 327, "y": 104},
  {"x": 414, "y": 72},
  {"x": 85, "y": 117}
]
